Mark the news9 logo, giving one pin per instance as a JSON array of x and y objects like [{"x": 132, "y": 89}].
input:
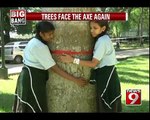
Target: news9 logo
[{"x": 133, "y": 97}]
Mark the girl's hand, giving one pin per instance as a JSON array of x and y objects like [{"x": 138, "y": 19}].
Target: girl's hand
[
  {"x": 81, "y": 82},
  {"x": 66, "y": 58}
]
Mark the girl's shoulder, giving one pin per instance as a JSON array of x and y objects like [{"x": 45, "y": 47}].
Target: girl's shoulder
[
  {"x": 35, "y": 43},
  {"x": 104, "y": 38}
]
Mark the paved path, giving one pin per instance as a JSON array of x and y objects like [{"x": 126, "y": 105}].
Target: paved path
[
  {"x": 119, "y": 55},
  {"x": 14, "y": 70},
  {"x": 131, "y": 53}
]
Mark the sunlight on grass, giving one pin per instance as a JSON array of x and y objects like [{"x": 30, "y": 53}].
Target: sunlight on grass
[
  {"x": 8, "y": 87},
  {"x": 7, "y": 90},
  {"x": 144, "y": 107},
  {"x": 134, "y": 70},
  {"x": 134, "y": 74}
]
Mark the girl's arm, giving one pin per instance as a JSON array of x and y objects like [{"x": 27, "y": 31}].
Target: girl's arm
[
  {"x": 79, "y": 81},
  {"x": 69, "y": 59},
  {"x": 91, "y": 64}
]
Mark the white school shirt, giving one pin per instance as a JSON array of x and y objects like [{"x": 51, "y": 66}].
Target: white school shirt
[
  {"x": 104, "y": 52},
  {"x": 37, "y": 54}
]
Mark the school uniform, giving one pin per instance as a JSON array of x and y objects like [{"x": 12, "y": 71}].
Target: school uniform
[
  {"x": 106, "y": 76},
  {"x": 30, "y": 94}
]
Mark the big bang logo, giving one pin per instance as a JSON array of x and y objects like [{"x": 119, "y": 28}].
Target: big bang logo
[{"x": 18, "y": 17}]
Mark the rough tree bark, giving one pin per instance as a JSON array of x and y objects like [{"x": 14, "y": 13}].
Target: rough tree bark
[{"x": 64, "y": 95}]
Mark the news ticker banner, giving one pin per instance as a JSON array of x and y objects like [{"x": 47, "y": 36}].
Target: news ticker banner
[{"x": 19, "y": 17}]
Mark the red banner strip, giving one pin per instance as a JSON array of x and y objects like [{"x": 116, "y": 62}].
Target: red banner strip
[{"x": 76, "y": 16}]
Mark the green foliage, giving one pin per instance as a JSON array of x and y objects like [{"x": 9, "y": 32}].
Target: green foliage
[
  {"x": 25, "y": 29},
  {"x": 117, "y": 28},
  {"x": 29, "y": 27},
  {"x": 6, "y": 23},
  {"x": 134, "y": 74},
  {"x": 134, "y": 20}
]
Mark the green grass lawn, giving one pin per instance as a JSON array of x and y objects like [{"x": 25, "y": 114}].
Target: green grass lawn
[
  {"x": 133, "y": 72},
  {"x": 7, "y": 88}
]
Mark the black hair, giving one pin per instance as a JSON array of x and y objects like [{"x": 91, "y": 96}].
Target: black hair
[
  {"x": 102, "y": 23},
  {"x": 43, "y": 26}
]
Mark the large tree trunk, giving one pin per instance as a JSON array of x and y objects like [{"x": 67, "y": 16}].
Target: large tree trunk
[{"x": 64, "y": 95}]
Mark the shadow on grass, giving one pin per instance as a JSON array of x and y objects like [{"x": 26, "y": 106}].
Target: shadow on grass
[
  {"x": 11, "y": 77},
  {"x": 130, "y": 73},
  {"x": 131, "y": 61},
  {"x": 127, "y": 69},
  {"x": 144, "y": 107},
  {"x": 6, "y": 102},
  {"x": 138, "y": 79}
]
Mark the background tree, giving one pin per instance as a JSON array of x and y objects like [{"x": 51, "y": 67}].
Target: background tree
[
  {"x": 7, "y": 26},
  {"x": 25, "y": 29},
  {"x": 29, "y": 27},
  {"x": 138, "y": 20}
]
